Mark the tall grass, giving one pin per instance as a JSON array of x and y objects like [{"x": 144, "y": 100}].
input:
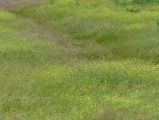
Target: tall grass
[
  {"x": 121, "y": 31},
  {"x": 87, "y": 75}
]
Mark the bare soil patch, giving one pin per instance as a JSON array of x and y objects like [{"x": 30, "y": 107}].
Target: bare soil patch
[{"x": 12, "y": 4}]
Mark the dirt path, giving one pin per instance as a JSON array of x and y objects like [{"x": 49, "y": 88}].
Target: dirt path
[{"x": 12, "y": 4}]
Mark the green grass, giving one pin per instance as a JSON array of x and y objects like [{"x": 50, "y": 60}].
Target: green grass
[
  {"x": 119, "y": 31},
  {"x": 87, "y": 61}
]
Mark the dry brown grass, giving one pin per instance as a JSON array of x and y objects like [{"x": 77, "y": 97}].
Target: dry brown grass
[
  {"x": 111, "y": 114},
  {"x": 12, "y": 4},
  {"x": 108, "y": 114}
]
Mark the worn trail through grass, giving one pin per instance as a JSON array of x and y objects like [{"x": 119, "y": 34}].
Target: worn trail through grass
[
  {"x": 12, "y": 4},
  {"x": 69, "y": 49}
]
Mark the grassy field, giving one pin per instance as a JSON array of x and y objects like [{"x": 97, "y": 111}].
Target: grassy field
[{"x": 80, "y": 60}]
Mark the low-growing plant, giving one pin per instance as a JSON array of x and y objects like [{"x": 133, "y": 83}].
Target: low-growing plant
[{"x": 132, "y": 9}]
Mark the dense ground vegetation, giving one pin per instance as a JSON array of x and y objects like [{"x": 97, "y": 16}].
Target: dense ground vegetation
[{"x": 84, "y": 60}]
